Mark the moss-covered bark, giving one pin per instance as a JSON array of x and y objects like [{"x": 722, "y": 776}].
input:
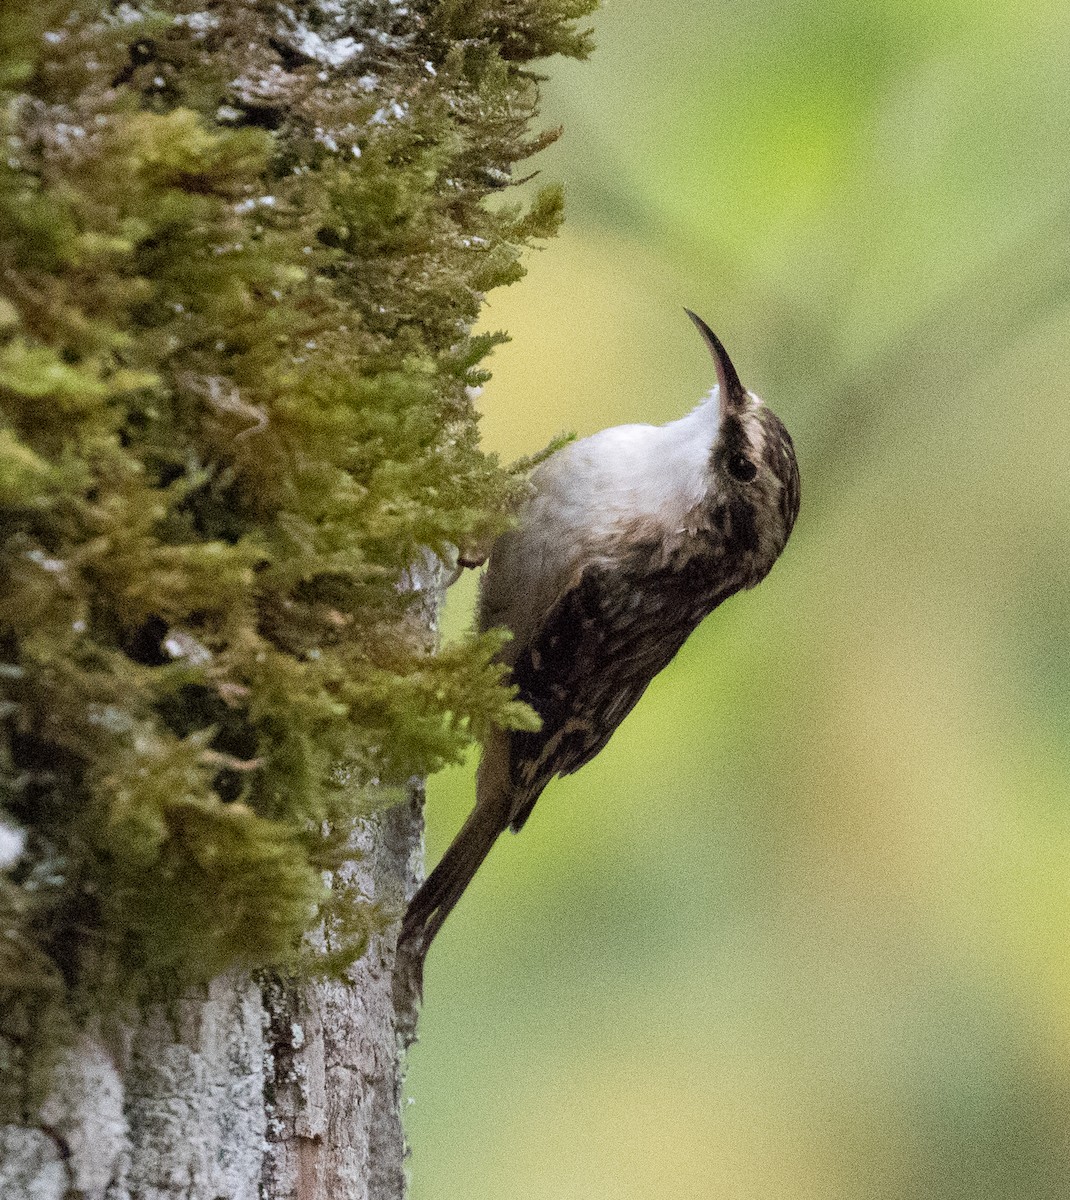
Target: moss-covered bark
[{"x": 242, "y": 247}]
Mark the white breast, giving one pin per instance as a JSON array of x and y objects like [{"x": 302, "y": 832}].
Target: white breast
[{"x": 594, "y": 498}]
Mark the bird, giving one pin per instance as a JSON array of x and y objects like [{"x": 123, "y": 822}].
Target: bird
[{"x": 630, "y": 538}]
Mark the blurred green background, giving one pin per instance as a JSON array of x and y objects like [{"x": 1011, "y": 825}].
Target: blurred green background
[{"x": 802, "y": 929}]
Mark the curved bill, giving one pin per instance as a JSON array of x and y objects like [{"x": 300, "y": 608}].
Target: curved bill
[{"x": 732, "y": 393}]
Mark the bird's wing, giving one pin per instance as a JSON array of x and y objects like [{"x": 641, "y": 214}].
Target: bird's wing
[{"x": 586, "y": 667}]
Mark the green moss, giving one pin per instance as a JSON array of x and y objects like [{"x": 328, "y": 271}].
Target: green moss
[{"x": 240, "y": 276}]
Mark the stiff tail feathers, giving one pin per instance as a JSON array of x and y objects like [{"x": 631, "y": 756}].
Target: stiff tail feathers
[{"x": 440, "y": 892}]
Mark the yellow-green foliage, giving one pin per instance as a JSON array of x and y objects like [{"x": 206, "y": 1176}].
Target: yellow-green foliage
[{"x": 241, "y": 249}]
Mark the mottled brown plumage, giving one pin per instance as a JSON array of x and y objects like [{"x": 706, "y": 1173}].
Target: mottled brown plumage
[{"x": 633, "y": 536}]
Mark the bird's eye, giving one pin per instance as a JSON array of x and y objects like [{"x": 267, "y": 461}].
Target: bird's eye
[{"x": 740, "y": 467}]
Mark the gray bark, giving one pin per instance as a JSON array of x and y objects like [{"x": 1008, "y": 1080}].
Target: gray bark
[
  {"x": 246, "y": 1089},
  {"x": 251, "y": 1087}
]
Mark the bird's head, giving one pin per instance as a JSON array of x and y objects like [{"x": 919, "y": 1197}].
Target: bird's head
[{"x": 752, "y": 459}]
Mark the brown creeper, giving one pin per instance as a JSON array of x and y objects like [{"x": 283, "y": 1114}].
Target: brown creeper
[{"x": 632, "y": 536}]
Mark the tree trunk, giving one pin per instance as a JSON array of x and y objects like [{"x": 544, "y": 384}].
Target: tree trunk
[
  {"x": 246, "y": 1088},
  {"x": 253, "y": 1085}
]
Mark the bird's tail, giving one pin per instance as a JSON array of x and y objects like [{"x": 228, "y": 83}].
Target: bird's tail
[{"x": 441, "y": 890}]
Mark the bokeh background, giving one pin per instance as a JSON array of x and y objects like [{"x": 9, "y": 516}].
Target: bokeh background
[{"x": 802, "y": 929}]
